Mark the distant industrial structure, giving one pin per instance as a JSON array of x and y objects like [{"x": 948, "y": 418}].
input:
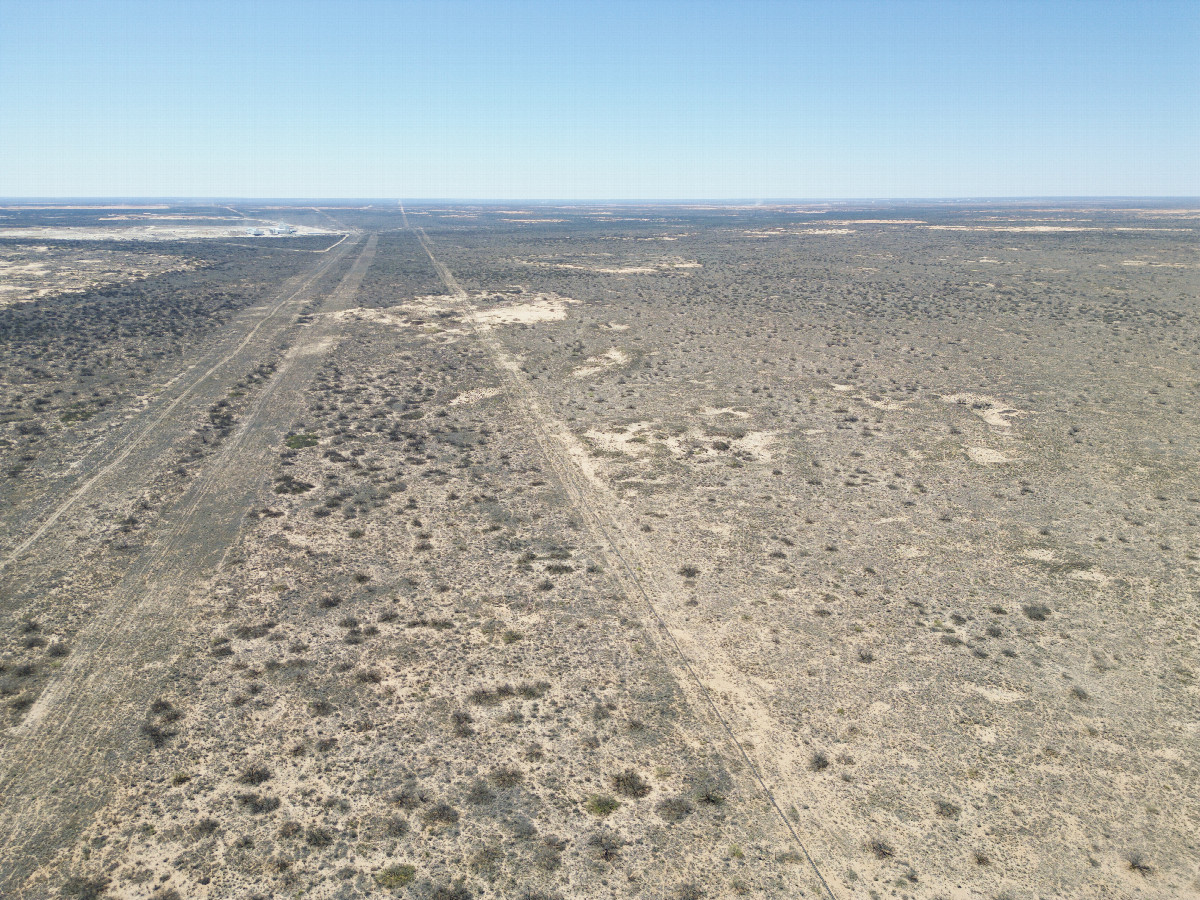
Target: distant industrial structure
[{"x": 276, "y": 229}]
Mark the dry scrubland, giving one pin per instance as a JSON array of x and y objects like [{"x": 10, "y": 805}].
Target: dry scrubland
[{"x": 568, "y": 552}]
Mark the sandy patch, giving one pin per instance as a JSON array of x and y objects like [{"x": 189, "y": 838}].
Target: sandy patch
[
  {"x": 610, "y": 359},
  {"x": 653, "y": 267},
  {"x": 757, "y": 444},
  {"x": 1040, "y": 554},
  {"x": 543, "y": 308},
  {"x": 712, "y": 412},
  {"x": 989, "y": 409},
  {"x": 474, "y": 396},
  {"x": 986, "y": 456},
  {"x": 996, "y": 695}
]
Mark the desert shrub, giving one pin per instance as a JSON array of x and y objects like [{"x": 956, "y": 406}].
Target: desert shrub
[
  {"x": 479, "y": 793},
  {"x": 255, "y": 775},
  {"x": 689, "y": 571},
  {"x": 673, "y": 809},
  {"x": 85, "y": 888},
  {"x": 440, "y": 814},
  {"x": 396, "y": 827},
  {"x": 1140, "y": 863},
  {"x": 316, "y": 836},
  {"x": 819, "y": 762},
  {"x": 882, "y": 849},
  {"x": 494, "y": 697},
  {"x": 946, "y": 809},
  {"x": 1038, "y": 612},
  {"x": 547, "y": 858},
  {"x": 630, "y": 784},
  {"x": 533, "y": 690},
  {"x": 506, "y": 777},
  {"x": 606, "y": 844},
  {"x": 258, "y": 804}
]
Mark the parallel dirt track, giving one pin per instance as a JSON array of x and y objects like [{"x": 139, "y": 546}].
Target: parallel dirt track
[
  {"x": 72, "y": 745},
  {"x": 145, "y": 437}
]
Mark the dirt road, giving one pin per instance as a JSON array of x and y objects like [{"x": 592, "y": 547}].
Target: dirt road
[
  {"x": 81, "y": 733},
  {"x": 641, "y": 574}
]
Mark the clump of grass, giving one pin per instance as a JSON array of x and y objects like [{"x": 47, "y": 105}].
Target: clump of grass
[
  {"x": 602, "y": 805},
  {"x": 395, "y": 876}
]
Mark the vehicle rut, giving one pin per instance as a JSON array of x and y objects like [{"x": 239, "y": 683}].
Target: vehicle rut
[{"x": 633, "y": 564}]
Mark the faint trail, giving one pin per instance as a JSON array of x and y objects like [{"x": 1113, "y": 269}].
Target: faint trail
[
  {"x": 157, "y": 417},
  {"x": 625, "y": 558},
  {"x": 61, "y": 766}
]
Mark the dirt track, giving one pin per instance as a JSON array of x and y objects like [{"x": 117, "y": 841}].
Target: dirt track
[{"x": 641, "y": 574}]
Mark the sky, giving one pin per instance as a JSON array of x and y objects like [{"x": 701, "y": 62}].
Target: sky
[{"x": 652, "y": 99}]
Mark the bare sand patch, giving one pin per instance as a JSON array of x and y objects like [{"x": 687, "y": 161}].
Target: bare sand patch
[
  {"x": 542, "y": 308},
  {"x": 757, "y": 444},
  {"x": 987, "y": 408},
  {"x": 712, "y": 412},
  {"x": 608, "y": 360},
  {"x": 986, "y": 456},
  {"x": 474, "y": 396}
]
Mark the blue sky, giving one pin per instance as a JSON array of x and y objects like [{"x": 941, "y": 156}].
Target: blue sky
[{"x": 599, "y": 100}]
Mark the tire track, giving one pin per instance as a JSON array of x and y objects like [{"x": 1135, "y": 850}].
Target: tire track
[
  {"x": 629, "y": 562},
  {"x": 82, "y": 732},
  {"x": 150, "y": 420}
]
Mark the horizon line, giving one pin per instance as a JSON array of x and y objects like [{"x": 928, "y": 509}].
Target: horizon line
[{"x": 218, "y": 198}]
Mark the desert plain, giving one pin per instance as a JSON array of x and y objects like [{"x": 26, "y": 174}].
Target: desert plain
[{"x": 587, "y": 551}]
